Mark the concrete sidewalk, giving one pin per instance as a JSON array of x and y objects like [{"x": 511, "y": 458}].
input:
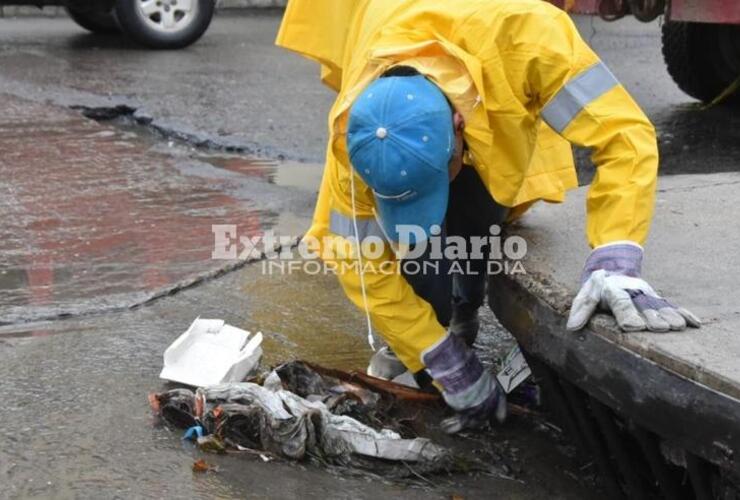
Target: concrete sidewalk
[
  {"x": 683, "y": 386},
  {"x": 691, "y": 258}
]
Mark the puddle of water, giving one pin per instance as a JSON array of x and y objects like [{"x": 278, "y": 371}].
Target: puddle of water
[
  {"x": 289, "y": 174},
  {"x": 87, "y": 430},
  {"x": 309, "y": 317},
  {"x": 96, "y": 217}
]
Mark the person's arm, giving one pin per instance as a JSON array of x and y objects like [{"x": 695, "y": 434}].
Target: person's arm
[
  {"x": 583, "y": 101},
  {"x": 406, "y": 322}
]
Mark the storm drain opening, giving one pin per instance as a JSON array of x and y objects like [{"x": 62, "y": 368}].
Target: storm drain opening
[{"x": 632, "y": 461}]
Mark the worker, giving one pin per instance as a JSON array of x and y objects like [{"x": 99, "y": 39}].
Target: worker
[{"x": 455, "y": 116}]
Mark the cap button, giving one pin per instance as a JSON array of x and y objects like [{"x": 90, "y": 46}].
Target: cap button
[{"x": 381, "y": 133}]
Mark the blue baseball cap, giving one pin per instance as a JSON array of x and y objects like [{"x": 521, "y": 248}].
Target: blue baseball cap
[{"x": 400, "y": 138}]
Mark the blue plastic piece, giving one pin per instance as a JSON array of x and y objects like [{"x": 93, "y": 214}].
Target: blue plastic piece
[{"x": 193, "y": 433}]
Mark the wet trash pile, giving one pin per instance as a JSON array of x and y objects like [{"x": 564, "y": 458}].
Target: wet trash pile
[
  {"x": 296, "y": 413},
  {"x": 302, "y": 412}
]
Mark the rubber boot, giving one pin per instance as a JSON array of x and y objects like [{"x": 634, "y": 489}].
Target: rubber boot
[{"x": 385, "y": 364}]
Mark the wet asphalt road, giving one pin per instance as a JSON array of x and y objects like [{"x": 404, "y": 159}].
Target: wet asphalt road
[
  {"x": 235, "y": 88},
  {"x": 75, "y": 418},
  {"x": 100, "y": 215}
]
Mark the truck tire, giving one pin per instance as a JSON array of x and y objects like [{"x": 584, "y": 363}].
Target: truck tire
[
  {"x": 95, "y": 21},
  {"x": 702, "y": 58},
  {"x": 165, "y": 24}
]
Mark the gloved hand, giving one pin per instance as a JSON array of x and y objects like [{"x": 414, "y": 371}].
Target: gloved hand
[
  {"x": 611, "y": 280},
  {"x": 467, "y": 386},
  {"x": 492, "y": 411}
]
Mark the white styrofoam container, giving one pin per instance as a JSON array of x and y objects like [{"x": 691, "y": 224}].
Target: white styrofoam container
[{"x": 211, "y": 352}]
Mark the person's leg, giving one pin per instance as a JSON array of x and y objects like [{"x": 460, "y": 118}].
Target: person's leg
[
  {"x": 470, "y": 214},
  {"x": 431, "y": 280}
]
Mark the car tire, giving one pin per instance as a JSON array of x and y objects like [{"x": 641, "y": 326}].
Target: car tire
[
  {"x": 165, "y": 24},
  {"x": 95, "y": 21},
  {"x": 703, "y": 58}
]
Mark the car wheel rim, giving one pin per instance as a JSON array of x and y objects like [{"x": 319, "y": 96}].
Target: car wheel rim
[{"x": 167, "y": 15}]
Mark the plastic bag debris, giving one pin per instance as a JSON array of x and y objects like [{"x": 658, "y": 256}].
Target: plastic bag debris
[
  {"x": 515, "y": 370},
  {"x": 211, "y": 352},
  {"x": 193, "y": 433},
  {"x": 340, "y": 397},
  {"x": 407, "y": 379},
  {"x": 295, "y": 416},
  {"x": 176, "y": 407}
]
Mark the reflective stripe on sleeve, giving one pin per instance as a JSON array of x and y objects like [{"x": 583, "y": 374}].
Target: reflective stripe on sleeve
[
  {"x": 342, "y": 225},
  {"x": 578, "y": 93}
]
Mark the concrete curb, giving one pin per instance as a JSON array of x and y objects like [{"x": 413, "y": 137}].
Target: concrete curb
[{"x": 26, "y": 11}]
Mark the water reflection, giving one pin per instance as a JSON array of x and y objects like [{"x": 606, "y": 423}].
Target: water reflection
[{"x": 96, "y": 216}]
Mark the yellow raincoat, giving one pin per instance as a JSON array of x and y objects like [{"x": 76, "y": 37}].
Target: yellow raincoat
[{"x": 526, "y": 84}]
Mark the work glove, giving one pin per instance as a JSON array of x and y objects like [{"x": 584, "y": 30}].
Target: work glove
[
  {"x": 467, "y": 386},
  {"x": 492, "y": 411},
  {"x": 611, "y": 280}
]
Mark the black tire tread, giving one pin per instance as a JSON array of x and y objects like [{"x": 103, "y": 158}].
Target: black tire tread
[
  {"x": 99, "y": 22},
  {"x": 687, "y": 49}
]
